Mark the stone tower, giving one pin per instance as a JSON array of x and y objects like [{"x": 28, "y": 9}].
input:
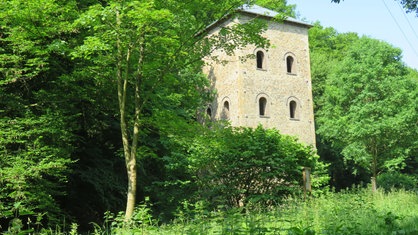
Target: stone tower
[{"x": 273, "y": 89}]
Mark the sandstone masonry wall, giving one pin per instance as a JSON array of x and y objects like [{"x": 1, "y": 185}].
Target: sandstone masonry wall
[{"x": 241, "y": 86}]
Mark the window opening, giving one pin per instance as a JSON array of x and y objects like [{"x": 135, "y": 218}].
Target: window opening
[
  {"x": 289, "y": 63},
  {"x": 292, "y": 106},
  {"x": 262, "y": 102},
  {"x": 226, "y": 110},
  {"x": 260, "y": 59},
  {"x": 209, "y": 112}
]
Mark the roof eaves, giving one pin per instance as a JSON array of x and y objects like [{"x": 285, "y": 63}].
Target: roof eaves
[
  {"x": 258, "y": 11},
  {"x": 261, "y": 11}
]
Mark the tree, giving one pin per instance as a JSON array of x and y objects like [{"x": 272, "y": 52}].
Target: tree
[
  {"x": 409, "y": 5},
  {"x": 151, "y": 48},
  {"x": 36, "y": 121},
  {"x": 278, "y": 6},
  {"x": 237, "y": 166},
  {"x": 413, "y": 74},
  {"x": 327, "y": 49},
  {"x": 369, "y": 107}
]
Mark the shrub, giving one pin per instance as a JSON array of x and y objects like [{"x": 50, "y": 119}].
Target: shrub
[
  {"x": 396, "y": 180},
  {"x": 242, "y": 166}
]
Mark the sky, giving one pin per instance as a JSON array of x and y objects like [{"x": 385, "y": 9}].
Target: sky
[{"x": 380, "y": 19}]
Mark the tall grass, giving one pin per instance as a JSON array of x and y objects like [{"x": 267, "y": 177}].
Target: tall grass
[
  {"x": 359, "y": 212},
  {"x": 349, "y": 212},
  {"x": 356, "y": 211}
]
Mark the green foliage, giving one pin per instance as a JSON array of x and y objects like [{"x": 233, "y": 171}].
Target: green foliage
[
  {"x": 360, "y": 212},
  {"x": 32, "y": 31},
  {"x": 196, "y": 160},
  {"x": 34, "y": 160},
  {"x": 413, "y": 74},
  {"x": 396, "y": 180},
  {"x": 327, "y": 49},
  {"x": 241, "y": 166},
  {"x": 141, "y": 222},
  {"x": 52, "y": 120},
  {"x": 355, "y": 211},
  {"x": 35, "y": 128},
  {"x": 410, "y": 5},
  {"x": 154, "y": 50},
  {"x": 59, "y": 131},
  {"x": 280, "y": 6},
  {"x": 373, "y": 107},
  {"x": 330, "y": 52}
]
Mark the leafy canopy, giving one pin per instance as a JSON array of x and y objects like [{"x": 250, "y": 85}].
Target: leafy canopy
[
  {"x": 236, "y": 166},
  {"x": 369, "y": 107}
]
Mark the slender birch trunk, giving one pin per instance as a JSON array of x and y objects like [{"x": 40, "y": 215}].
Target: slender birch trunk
[
  {"x": 374, "y": 167},
  {"x": 129, "y": 149}
]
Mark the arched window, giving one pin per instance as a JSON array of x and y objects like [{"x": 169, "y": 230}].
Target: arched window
[
  {"x": 292, "y": 109},
  {"x": 260, "y": 60},
  {"x": 290, "y": 64},
  {"x": 209, "y": 113},
  {"x": 262, "y": 105},
  {"x": 225, "y": 110}
]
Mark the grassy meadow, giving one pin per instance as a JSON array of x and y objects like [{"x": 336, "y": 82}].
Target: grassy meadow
[{"x": 357, "y": 211}]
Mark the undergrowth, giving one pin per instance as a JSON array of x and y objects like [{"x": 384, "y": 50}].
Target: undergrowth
[{"x": 355, "y": 211}]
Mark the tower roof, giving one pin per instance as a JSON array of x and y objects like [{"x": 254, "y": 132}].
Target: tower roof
[{"x": 261, "y": 11}]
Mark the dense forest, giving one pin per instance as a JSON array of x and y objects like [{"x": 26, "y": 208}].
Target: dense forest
[{"x": 100, "y": 106}]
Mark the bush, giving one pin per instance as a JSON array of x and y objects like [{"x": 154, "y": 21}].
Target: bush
[
  {"x": 396, "y": 180},
  {"x": 242, "y": 166}
]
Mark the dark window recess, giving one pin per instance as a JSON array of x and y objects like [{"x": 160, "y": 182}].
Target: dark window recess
[
  {"x": 292, "y": 106},
  {"x": 289, "y": 64},
  {"x": 209, "y": 112},
  {"x": 262, "y": 106},
  {"x": 225, "y": 111},
  {"x": 260, "y": 59}
]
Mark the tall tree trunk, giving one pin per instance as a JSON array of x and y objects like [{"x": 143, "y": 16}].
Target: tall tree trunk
[
  {"x": 129, "y": 149},
  {"x": 374, "y": 167},
  {"x": 131, "y": 162},
  {"x": 130, "y": 200}
]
